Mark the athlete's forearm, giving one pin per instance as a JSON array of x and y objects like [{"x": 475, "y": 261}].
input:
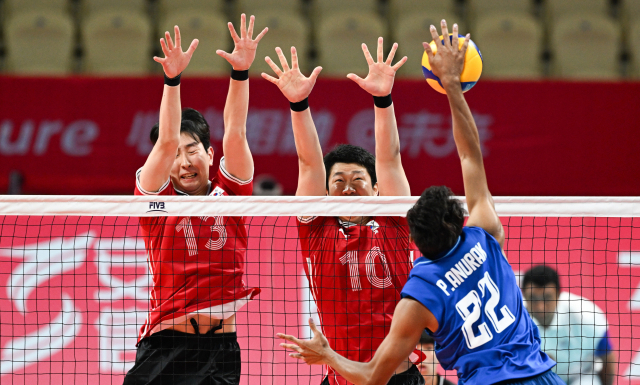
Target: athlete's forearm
[
  {"x": 358, "y": 373},
  {"x": 170, "y": 117},
  {"x": 391, "y": 177},
  {"x": 311, "y": 172},
  {"x": 465, "y": 132},
  {"x": 234, "y": 143}
]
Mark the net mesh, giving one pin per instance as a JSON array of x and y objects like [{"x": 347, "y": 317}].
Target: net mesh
[{"x": 75, "y": 289}]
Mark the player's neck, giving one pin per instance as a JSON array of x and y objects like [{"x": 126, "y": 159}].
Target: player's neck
[{"x": 356, "y": 220}]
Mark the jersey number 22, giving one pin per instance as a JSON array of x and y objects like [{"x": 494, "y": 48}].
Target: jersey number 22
[{"x": 470, "y": 317}]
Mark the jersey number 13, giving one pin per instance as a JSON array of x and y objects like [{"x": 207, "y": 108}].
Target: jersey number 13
[{"x": 473, "y": 301}]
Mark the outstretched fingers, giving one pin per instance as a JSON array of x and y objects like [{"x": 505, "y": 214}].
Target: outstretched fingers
[
  {"x": 270, "y": 78},
  {"x": 359, "y": 81},
  {"x": 399, "y": 64},
  {"x": 465, "y": 45},
  {"x": 223, "y": 54},
  {"x": 165, "y": 49},
  {"x": 445, "y": 33},
  {"x": 314, "y": 74},
  {"x": 367, "y": 54},
  {"x": 288, "y": 338},
  {"x": 167, "y": 39},
  {"x": 434, "y": 33},
  {"x": 394, "y": 48},
  {"x": 243, "y": 26},
  {"x": 380, "y": 51},
  {"x": 261, "y": 34},
  {"x": 273, "y": 66},
  {"x": 176, "y": 31},
  {"x": 250, "y": 30},
  {"x": 283, "y": 60},
  {"x": 232, "y": 30},
  {"x": 192, "y": 47},
  {"x": 292, "y": 347},
  {"x": 294, "y": 58}
]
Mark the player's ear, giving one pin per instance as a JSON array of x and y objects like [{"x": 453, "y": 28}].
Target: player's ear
[
  {"x": 375, "y": 189},
  {"x": 210, "y": 153}
]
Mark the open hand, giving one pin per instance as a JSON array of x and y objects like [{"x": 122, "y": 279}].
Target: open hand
[
  {"x": 175, "y": 61},
  {"x": 293, "y": 84},
  {"x": 314, "y": 351},
  {"x": 447, "y": 61},
  {"x": 244, "y": 50},
  {"x": 379, "y": 81}
]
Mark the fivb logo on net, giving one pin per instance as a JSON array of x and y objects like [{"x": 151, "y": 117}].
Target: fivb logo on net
[{"x": 157, "y": 207}]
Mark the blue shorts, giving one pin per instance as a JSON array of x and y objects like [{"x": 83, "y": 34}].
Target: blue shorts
[{"x": 546, "y": 378}]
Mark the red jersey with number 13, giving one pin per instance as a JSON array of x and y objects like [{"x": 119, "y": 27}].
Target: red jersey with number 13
[
  {"x": 196, "y": 263},
  {"x": 356, "y": 274}
]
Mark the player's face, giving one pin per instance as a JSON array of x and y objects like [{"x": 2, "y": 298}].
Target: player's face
[
  {"x": 346, "y": 179},
  {"x": 428, "y": 367},
  {"x": 541, "y": 302},
  {"x": 190, "y": 170}
]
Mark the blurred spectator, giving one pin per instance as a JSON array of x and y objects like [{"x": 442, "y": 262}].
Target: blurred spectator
[
  {"x": 573, "y": 330},
  {"x": 429, "y": 367},
  {"x": 266, "y": 185},
  {"x": 16, "y": 179}
]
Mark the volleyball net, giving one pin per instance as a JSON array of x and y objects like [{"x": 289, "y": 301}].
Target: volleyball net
[{"x": 75, "y": 282}]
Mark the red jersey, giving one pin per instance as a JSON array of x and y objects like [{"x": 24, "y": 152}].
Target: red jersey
[
  {"x": 196, "y": 263},
  {"x": 356, "y": 274}
]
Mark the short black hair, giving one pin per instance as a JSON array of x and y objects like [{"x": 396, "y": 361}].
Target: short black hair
[
  {"x": 436, "y": 221},
  {"x": 193, "y": 123},
  {"x": 541, "y": 276},
  {"x": 425, "y": 338},
  {"x": 347, "y": 153}
]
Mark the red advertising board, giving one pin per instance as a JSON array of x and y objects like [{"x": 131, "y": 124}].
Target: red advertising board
[
  {"x": 74, "y": 292},
  {"x": 89, "y": 135}
]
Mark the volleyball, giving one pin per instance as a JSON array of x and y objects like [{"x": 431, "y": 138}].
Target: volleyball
[{"x": 470, "y": 73}]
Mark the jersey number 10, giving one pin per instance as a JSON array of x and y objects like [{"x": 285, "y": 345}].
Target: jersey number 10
[{"x": 470, "y": 317}]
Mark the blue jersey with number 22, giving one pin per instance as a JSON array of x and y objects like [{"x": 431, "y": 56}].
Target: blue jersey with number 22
[{"x": 484, "y": 331}]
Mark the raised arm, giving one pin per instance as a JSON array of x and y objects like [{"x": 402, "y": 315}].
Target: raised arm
[
  {"x": 296, "y": 88},
  {"x": 392, "y": 180},
  {"x": 157, "y": 168},
  {"x": 448, "y": 64},
  {"x": 238, "y": 160},
  {"x": 409, "y": 320}
]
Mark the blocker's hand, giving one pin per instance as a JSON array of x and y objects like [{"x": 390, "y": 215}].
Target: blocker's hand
[
  {"x": 175, "y": 61},
  {"x": 448, "y": 63},
  {"x": 314, "y": 351},
  {"x": 379, "y": 81},
  {"x": 293, "y": 84},
  {"x": 244, "y": 50}
]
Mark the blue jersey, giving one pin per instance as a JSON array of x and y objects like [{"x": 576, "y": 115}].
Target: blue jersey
[{"x": 484, "y": 331}]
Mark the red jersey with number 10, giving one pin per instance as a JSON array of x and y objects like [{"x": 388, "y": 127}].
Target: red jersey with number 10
[
  {"x": 356, "y": 274},
  {"x": 196, "y": 263}
]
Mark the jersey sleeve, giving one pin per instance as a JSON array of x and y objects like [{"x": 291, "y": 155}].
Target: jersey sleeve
[
  {"x": 236, "y": 185},
  {"x": 425, "y": 293},
  {"x": 164, "y": 190}
]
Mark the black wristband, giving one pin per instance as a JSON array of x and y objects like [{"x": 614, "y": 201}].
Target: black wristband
[
  {"x": 239, "y": 75},
  {"x": 300, "y": 106},
  {"x": 382, "y": 101},
  {"x": 172, "y": 82}
]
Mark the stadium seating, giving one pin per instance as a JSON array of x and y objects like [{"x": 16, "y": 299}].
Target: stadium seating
[
  {"x": 556, "y": 9},
  {"x": 39, "y": 42},
  {"x": 285, "y": 30},
  {"x": 325, "y": 8},
  {"x": 212, "y": 32},
  {"x": 586, "y": 47},
  {"x": 12, "y": 7},
  {"x": 257, "y": 7},
  {"x": 168, "y": 7},
  {"x": 634, "y": 47},
  {"x": 479, "y": 8},
  {"x": 339, "y": 41},
  {"x": 511, "y": 45},
  {"x": 117, "y": 43},
  {"x": 404, "y": 8},
  {"x": 411, "y": 31},
  {"x": 92, "y": 6}
]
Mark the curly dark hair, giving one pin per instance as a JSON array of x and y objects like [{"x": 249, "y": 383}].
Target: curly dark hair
[
  {"x": 436, "y": 221},
  {"x": 347, "y": 153},
  {"x": 193, "y": 123},
  {"x": 541, "y": 276}
]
